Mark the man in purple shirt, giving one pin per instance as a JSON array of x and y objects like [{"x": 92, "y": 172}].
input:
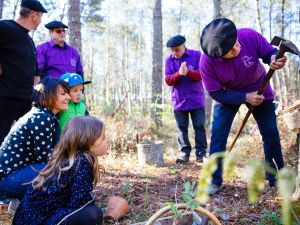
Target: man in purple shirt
[
  {"x": 183, "y": 75},
  {"x": 232, "y": 74},
  {"x": 56, "y": 57}
]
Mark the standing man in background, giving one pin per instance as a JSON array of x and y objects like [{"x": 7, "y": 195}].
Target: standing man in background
[
  {"x": 56, "y": 57},
  {"x": 188, "y": 98},
  {"x": 18, "y": 64}
]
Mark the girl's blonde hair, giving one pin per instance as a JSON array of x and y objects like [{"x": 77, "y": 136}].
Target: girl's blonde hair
[{"x": 77, "y": 137}]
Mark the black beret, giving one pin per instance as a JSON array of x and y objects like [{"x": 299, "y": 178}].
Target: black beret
[
  {"x": 55, "y": 24},
  {"x": 176, "y": 41},
  {"x": 33, "y": 5},
  {"x": 218, "y": 37}
]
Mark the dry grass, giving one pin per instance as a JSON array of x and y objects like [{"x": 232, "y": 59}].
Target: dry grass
[{"x": 148, "y": 188}]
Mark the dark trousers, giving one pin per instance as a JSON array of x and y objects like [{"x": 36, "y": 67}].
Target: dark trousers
[
  {"x": 15, "y": 184},
  {"x": 198, "y": 121},
  {"x": 11, "y": 110},
  {"x": 89, "y": 215},
  {"x": 265, "y": 117}
]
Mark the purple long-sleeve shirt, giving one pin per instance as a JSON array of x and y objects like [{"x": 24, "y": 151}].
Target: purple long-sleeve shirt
[
  {"x": 54, "y": 60},
  {"x": 187, "y": 91},
  {"x": 243, "y": 73}
]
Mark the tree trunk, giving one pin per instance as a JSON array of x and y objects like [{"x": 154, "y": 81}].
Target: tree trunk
[
  {"x": 208, "y": 100},
  {"x": 298, "y": 83},
  {"x": 15, "y": 9},
  {"x": 217, "y": 9},
  {"x": 74, "y": 24},
  {"x": 258, "y": 18},
  {"x": 125, "y": 61},
  {"x": 298, "y": 152},
  {"x": 157, "y": 54},
  {"x": 180, "y": 17},
  {"x": 108, "y": 60},
  {"x": 270, "y": 18},
  {"x": 1, "y": 8},
  {"x": 282, "y": 18},
  {"x": 63, "y": 12},
  {"x": 140, "y": 55}
]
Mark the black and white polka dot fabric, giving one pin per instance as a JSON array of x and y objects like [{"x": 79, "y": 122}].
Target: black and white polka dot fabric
[{"x": 31, "y": 140}]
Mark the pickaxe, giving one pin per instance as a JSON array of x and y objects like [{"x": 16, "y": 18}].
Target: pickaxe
[{"x": 284, "y": 46}]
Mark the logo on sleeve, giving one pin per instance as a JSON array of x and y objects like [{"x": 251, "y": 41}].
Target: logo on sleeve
[
  {"x": 247, "y": 61},
  {"x": 73, "y": 62},
  {"x": 190, "y": 67}
]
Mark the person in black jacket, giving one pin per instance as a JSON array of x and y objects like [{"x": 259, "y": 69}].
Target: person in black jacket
[
  {"x": 31, "y": 140},
  {"x": 18, "y": 64}
]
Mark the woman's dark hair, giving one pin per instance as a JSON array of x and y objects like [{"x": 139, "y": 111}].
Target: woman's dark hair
[{"x": 45, "y": 93}]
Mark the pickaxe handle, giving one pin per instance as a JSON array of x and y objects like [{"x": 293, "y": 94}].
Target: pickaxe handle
[{"x": 270, "y": 73}]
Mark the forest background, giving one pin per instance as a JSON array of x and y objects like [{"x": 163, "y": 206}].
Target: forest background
[{"x": 122, "y": 43}]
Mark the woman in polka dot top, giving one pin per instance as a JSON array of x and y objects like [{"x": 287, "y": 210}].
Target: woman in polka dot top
[
  {"x": 32, "y": 139},
  {"x": 61, "y": 193}
]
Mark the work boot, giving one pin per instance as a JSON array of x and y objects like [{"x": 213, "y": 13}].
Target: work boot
[
  {"x": 183, "y": 159},
  {"x": 201, "y": 158},
  {"x": 213, "y": 189},
  {"x": 13, "y": 205}
]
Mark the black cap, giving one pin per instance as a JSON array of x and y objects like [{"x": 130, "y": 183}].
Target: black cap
[
  {"x": 55, "y": 24},
  {"x": 33, "y": 5},
  {"x": 176, "y": 41},
  {"x": 218, "y": 37}
]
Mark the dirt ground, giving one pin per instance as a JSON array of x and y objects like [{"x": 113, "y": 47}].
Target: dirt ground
[{"x": 148, "y": 188}]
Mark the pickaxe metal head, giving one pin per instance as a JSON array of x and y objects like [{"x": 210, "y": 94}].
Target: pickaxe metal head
[{"x": 286, "y": 45}]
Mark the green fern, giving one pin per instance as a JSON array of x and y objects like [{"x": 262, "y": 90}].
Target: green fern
[
  {"x": 286, "y": 185},
  {"x": 206, "y": 176},
  {"x": 256, "y": 179},
  {"x": 229, "y": 164},
  {"x": 189, "y": 195},
  {"x": 177, "y": 212}
]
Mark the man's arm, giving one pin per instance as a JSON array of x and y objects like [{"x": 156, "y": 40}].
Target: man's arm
[
  {"x": 236, "y": 97},
  {"x": 267, "y": 52},
  {"x": 41, "y": 61},
  {"x": 277, "y": 64},
  {"x": 173, "y": 79},
  {"x": 79, "y": 68},
  {"x": 194, "y": 75},
  {"x": 228, "y": 97}
]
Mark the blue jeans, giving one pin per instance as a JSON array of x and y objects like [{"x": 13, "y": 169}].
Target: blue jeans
[
  {"x": 15, "y": 184},
  {"x": 265, "y": 117},
  {"x": 198, "y": 121}
]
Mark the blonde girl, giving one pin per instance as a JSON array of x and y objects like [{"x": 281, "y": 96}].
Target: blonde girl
[{"x": 61, "y": 193}]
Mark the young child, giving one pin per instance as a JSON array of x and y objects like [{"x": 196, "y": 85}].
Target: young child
[
  {"x": 76, "y": 105},
  {"x": 61, "y": 193}
]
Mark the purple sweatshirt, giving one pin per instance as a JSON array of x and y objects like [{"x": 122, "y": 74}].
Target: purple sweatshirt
[
  {"x": 243, "y": 73},
  {"x": 54, "y": 60},
  {"x": 187, "y": 91}
]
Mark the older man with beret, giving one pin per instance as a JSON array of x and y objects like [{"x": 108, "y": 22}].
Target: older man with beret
[
  {"x": 18, "y": 64},
  {"x": 188, "y": 98},
  {"x": 232, "y": 74},
  {"x": 56, "y": 57}
]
